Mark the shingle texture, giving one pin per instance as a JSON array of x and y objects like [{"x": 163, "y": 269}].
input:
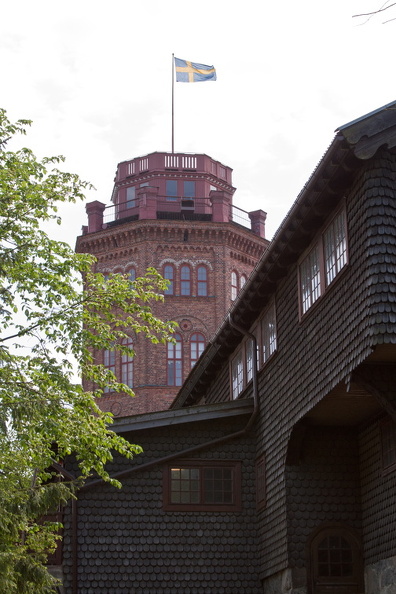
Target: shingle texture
[{"x": 128, "y": 544}]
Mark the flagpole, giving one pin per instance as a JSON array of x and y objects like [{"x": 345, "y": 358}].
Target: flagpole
[{"x": 173, "y": 103}]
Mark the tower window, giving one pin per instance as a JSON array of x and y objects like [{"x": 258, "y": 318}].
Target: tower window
[
  {"x": 189, "y": 189},
  {"x": 202, "y": 281},
  {"x": 234, "y": 285},
  {"x": 169, "y": 274},
  {"x": 171, "y": 189},
  {"x": 175, "y": 362},
  {"x": 132, "y": 274},
  {"x": 131, "y": 197},
  {"x": 185, "y": 280},
  {"x": 109, "y": 363},
  {"x": 127, "y": 364},
  {"x": 197, "y": 346}
]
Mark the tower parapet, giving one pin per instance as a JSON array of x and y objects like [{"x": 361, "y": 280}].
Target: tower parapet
[{"x": 182, "y": 186}]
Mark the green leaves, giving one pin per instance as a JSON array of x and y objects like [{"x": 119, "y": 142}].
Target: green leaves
[{"x": 54, "y": 313}]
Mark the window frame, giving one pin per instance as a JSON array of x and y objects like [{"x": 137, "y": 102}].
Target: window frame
[
  {"x": 201, "y": 465},
  {"x": 185, "y": 283},
  {"x": 202, "y": 283},
  {"x": 109, "y": 363},
  {"x": 234, "y": 284},
  {"x": 171, "y": 289},
  {"x": 170, "y": 196},
  {"x": 267, "y": 340},
  {"x": 172, "y": 350},
  {"x": 127, "y": 364},
  {"x": 320, "y": 246},
  {"x": 199, "y": 350}
]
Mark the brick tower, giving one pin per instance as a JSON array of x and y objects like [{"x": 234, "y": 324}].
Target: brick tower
[{"x": 173, "y": 212}]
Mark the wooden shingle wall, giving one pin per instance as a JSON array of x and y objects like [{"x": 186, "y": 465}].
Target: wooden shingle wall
[
  {"x": 319, "y": 352},
  {"x": 128, "y": 543}
]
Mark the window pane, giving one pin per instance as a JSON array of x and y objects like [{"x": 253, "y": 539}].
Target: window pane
[
  {"x": 202, "y": 281},
  {"x": 185, "y": 485},
  {"x": 335, "y": 247},
  {"x": 169, "y": 275},
  {"x": 109, "y": 363},
  {"x": 268, "y": 330},
  {"x": 171, "y": 189},
  {"x": 218, "y": 485},
  {"x": 185, "y": 280},
  {"x": 237, "y": 375},
  {"x": 310, "y": 280},
  {"x": 127, "y": 365},
  {"x": 197, "y": 346},
  {"x": 189, "y": 189},
  {"x": 132, "y": 274},
  {"x": 131, "y": 197},
  {"x": 174, "y": 362},
  {"x": 234, "y": 285}
]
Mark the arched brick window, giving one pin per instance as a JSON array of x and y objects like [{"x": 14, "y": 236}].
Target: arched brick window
[
  {"x": 175, "y": 362},
  {"x": 169, "y": 274},
  {"x": 127, "y": 364},
  {"x": 242, "y": 280},
  {"x": 197, "y": 346},
  {"x": 185, "y": 280},
  {"x": 109, "y": 363},
  {"x": 234, "y": 285},
  {"x": 132, "y": 274},
  {"x": 202, "y": 281}
]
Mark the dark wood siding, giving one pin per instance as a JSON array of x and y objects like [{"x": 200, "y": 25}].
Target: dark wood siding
[{"x": 128, "y": 543}]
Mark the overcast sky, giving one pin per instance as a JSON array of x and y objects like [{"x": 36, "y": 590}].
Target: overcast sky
[{"x": 95, "y": 78}]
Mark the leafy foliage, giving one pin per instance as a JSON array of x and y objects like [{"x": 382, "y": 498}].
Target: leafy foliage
[{"x": 54, "y": 313}]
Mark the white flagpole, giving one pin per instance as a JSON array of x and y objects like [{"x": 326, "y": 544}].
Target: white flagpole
[{"x": 173, "y": 103}]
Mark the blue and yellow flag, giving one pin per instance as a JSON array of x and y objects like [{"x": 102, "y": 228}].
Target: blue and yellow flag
[{"x": 192, "y": 72}]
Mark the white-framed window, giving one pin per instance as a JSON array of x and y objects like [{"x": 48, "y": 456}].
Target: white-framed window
[
  {"x": 268, "y": 333},
  {"x": 234, "y": 285},
  {"x": 326, "y": 257},
  {"x": 237, "y": 374}
]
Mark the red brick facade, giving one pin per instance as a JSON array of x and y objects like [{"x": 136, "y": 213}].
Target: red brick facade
[{"x": 189, "y": 241}]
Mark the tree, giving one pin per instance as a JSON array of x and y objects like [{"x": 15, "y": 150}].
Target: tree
[{"x": 54, "y": 313}]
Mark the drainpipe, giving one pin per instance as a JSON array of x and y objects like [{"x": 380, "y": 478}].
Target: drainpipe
[
  {"x": 204, "y": 446},
  {"x": 184, "y": 453}
]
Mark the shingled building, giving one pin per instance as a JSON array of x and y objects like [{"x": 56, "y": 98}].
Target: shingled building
[{"x": 274, "y": 469}]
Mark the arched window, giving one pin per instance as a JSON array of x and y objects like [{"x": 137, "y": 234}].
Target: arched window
[
  {"x": 234, "y": 285},
  {"x": 185, "y": 280},
  {"x": 169, "y": 274},
  {"x": 197, "y": 346},
  {"x": 175, "y": 362},
  {"x": 335, "y": 561},
  {"x": 132, "y": 274},
  {"x": 127, "y": 364},
  {"x": 242, "y": 281},
  {"x": 109, "y": 363},
  {"x": 202, "y": 281}
]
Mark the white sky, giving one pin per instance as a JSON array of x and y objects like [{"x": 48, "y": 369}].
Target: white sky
[{"x": 95, "y": 78}]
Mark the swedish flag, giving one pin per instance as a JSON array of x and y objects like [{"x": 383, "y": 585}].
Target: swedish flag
[{"x": 192, "y": 72}]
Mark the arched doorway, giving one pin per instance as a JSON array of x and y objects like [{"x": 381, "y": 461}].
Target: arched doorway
[{"x": 335, "y": 561}]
